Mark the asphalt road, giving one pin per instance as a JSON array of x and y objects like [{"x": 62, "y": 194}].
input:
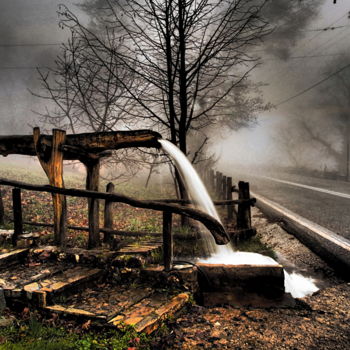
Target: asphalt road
[{"x": 325, "y": 202}]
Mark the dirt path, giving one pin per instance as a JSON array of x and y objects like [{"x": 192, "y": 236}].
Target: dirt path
[{"x": 320, "y": 321}]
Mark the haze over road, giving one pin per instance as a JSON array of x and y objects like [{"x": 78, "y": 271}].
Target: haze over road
[{"x": 325, "y": 202}]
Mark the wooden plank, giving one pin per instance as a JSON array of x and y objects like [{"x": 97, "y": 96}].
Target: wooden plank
[
  {"x": 73, "y": 311},
  {"x": 147, "y": 315},
  {"x": 17, "y": 215},
  {"x": 59, "y": 283},
  {"x": 167, "y": 241},
  {"x": 15, "y": 256}
]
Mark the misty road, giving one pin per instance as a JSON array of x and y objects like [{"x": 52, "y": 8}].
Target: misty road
[{"x": 325, "y": 202}]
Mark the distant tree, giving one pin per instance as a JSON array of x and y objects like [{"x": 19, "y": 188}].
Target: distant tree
[{"x": 323, "y": 121}]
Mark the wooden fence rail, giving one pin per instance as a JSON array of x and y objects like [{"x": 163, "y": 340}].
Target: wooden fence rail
[
  {"x": 217, "y": 182},
  {"x": 215, "y": 227}
]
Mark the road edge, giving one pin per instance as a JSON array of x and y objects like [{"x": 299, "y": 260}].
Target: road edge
[{"x": 332, "y": 248}]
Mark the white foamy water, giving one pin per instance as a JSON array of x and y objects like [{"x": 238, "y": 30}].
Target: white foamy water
[{"x": 296, "y": 284}]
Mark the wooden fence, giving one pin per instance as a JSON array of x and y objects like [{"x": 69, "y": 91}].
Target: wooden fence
[
  {"x": 237, "y": 211},
  {"x": 167, "y": 208}
]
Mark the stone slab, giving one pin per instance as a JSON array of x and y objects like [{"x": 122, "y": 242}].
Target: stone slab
[{"x": 267, "y": 280}]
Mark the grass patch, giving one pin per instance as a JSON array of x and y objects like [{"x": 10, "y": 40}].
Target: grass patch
[{"x": 33, "y": 335}]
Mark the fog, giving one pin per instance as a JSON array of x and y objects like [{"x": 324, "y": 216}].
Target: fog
[
  {"x": 30, "y": 38},
  {"x": 302, "y": 131},
  {"x": 309, "y": 130}
]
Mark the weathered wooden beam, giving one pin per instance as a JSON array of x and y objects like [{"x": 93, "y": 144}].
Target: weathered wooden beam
[
  {"x": 87, "y": 142},
  {"x": 17, "y": 215},
  {"x": 167, "y": 240},
  {"x": 92, "y": 183},
  {"x": 215, "y": 227},
  {"x": 108, "y": 213},
  {"x": 51, "y": 160}
]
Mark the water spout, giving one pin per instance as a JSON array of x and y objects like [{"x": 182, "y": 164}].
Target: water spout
[{"x": 295, "y": 284}]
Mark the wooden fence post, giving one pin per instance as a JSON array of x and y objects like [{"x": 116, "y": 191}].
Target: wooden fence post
[
  {"x": 218, "y": 188},
  {"x": 211, "y": 180},
  {"x": 17, "y": 215},
  {"x": 244, "y": 216},
  {"x": 167, "y": 240},
  {"x": 223, "y": 188},
  {"x": 108, "y": 213},
  {"x": 52, "y": 163},
  {"x": 92, "y": 182},
  {"x": 2, "y": 211},
  {"x": 229, "y": 197}
]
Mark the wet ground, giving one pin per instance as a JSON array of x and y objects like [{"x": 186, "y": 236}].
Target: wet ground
[{"x": 320, "y": 321}]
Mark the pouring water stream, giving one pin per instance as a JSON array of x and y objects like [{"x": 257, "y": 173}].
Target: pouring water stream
[{"x": 296, "y": 284}]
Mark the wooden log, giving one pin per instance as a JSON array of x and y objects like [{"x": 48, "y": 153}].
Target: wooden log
[
  {"x": 167, "y": 240},
  {"x": 108, "y": 213},
  {"x": 92, "y": 183},
  {"x": 229, "y": 207},
  {"x": 215, "y": 227},
  {"x": 87, "y": 142},
  {"x": 2, "y": 211},
  {"x": 51, "y": 160},
  {"x": 17, "y": 215},
  {"x": 243, "y": 214}
]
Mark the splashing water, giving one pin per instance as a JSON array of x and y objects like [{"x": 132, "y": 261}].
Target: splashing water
[{"x": 296, "y": 284}]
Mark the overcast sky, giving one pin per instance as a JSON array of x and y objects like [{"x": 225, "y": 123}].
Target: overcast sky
[{"x": 24, "y": 26}]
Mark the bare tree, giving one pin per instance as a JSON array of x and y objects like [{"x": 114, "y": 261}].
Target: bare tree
[
  {"x": 86, "y": 98},
  {"x": 185, "y": 57}
]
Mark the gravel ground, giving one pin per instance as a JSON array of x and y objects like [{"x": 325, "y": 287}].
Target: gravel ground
[{"x": 320, "y": 321}]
